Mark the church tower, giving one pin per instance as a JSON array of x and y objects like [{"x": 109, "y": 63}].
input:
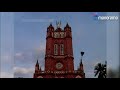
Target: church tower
[{"x": 59, "y": 60}]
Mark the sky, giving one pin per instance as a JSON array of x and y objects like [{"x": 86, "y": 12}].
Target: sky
[
  {"x": 6, "y": 45},
  {"x": 24, "y": 36},
  {"x": 113, "y": 42}
]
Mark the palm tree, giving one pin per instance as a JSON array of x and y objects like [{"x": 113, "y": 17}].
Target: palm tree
[{"x": 100, "y": 70}]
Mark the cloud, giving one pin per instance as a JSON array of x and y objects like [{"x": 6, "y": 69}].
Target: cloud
[
  {"x": 40, "y": 53},
  {"x": 18, "y": 54},
  {"x": 23, "y": 72},
  {"x": 31, "y": 55},
  {"x": 7, "y": 58},
  {"x": 28, "y": 59},
  {"x": 6, "y": 75}
]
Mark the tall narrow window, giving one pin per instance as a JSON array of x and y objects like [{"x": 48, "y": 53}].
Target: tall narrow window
[
  {"x": 52, "y": 34},
  {"x": 61, "y": 49},
  {"x": 62, "y": 34},
  {"x": 55, "y": 49},
  {"x": 57, "y": 35},
  {"x": 65, "y": 34}
]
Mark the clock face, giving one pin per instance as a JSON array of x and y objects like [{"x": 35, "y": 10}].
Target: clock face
[{"x": 59, "y": 65}]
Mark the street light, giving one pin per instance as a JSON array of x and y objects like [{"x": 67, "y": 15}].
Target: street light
[{"x": 82, "y": 53}]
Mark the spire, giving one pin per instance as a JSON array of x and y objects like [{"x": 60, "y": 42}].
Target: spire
[
  {"x": 37, "y": 66},
  {"x": 50, "y": 24},
  {"x": 50, "y": 27},
  {"x": 81, "y": 66},
  {"x": 37, "y": 62},
  {"x": 82, "y": 53},
  {"x": 81, "y": 62},
  {"x": 67, "y": 25}
]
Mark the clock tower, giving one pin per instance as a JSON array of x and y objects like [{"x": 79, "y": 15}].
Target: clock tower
[{"x": 59, "y": 60}]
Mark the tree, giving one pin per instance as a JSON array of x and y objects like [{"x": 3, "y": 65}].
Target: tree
[{"x": 100, "y": 70}]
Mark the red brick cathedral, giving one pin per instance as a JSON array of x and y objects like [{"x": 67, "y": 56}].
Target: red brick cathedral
[{"x": 59, "y": 60}]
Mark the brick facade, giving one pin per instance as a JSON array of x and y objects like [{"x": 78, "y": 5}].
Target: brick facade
[{"x": 59, "y": 60}]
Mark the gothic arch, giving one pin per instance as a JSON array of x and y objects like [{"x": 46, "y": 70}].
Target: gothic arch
[
  {"x": 78, "y": 76},
  {"x": 39, "y": 77}
]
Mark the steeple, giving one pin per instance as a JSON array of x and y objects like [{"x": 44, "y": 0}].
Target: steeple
[
  {"x": 50, "y": 28},
  {"x": 67, "y": 25},
  {"x": 37, "y": 66},
  {"x": 81, "y": 64},
  {"x": 50, "y": 25}
]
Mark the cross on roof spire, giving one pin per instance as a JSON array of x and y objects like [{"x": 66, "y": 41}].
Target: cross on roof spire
[{"x": 58, "y": 24}]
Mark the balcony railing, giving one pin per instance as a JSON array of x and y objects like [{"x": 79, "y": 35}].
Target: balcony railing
[{"x": 62, "y": 72}]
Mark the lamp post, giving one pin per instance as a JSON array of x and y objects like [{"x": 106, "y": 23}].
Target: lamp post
[
  {"x": 81, "y": 64},
  {"x": 82, "y": 53}
]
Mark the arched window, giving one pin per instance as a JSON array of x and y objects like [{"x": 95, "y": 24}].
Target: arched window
[
  {"x": 61, "y": 49},
  {"x": 65, "y": 34},
  {"x": 52, "y": 34},
  {"x": 56, "y": 35},
  {"x": 78, "y": 76},
  {"x": 62, "y": 34},
  {"x": 55, "y": 49}
]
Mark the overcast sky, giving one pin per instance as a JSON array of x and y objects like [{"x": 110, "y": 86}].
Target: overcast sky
[{"x": 28, "y": 33}]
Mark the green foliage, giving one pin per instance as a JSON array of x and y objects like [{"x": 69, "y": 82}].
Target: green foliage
[{"x": 100, "y": 70}]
